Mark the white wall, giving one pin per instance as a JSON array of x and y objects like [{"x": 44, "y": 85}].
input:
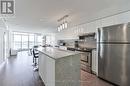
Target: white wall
[
  {"x": 72, "y": 33},
  {"x": 31, "y": 30},
  {"x": 7, "y": 43},
  {"x": 2, "y": 48}
]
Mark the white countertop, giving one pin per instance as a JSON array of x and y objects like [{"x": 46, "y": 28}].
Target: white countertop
[{"x": 56, "y": 53}]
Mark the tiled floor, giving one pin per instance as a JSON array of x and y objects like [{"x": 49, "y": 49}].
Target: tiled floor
[
  {"x": 18, "y": 71},
  {"x": 91, "y": 80}
]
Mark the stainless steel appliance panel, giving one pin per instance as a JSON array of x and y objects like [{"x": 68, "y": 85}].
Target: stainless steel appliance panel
[
  {"x": 86, "y": 61},
  {"x": 86, "y": 57},
  {"x": 116, "y": 33},
  {"x": 114, "y": 63}
]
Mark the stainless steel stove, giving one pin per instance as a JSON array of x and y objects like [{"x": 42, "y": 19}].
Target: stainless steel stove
[{"x": 86, "y": 58}]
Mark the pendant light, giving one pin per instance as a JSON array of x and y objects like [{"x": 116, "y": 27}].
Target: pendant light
[
  {"x": 58, "y": 29},
  {"x": 64, "y": 24}
]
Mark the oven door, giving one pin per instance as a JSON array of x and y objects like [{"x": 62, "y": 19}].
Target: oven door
[{"x": 86, "y": 58}]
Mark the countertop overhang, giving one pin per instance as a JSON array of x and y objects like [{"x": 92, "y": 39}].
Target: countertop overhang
[{"x": 56, "y": 53}]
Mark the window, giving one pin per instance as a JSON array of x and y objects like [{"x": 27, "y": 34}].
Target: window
[
  {"x": 22, "y": 41},
  {"x": 39, "y": 40},
  {"x": 17, "y": 42},
  {"x": 31, "y": 40}
]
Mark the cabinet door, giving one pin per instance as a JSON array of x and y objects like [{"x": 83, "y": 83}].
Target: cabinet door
[
  {"x": 94, "y": 62},
  {"x": 47, "y": 69},
  {"x": 108, "y": 21},
  {"x": 91, "y": 27},
  {"x": 42, "y": 67},
  {"x": 122, "y": 18},
  {"x": 50, "y": 71}
]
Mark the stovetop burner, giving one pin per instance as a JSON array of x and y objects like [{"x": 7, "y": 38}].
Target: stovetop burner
[
  {"x": 83, "y": 49},
  {"x": 80, "y": 49}
]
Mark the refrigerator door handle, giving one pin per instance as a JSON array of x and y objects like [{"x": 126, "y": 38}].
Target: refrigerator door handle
[
  {"x": 99, "y": 51},
  {"x": 98, "y": 35},
  {"x": 98, "y": 43},
  {"x": 98, "y": 48}
]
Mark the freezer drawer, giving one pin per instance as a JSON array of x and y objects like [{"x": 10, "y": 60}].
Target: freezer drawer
[{"x": 114, "y": 63}]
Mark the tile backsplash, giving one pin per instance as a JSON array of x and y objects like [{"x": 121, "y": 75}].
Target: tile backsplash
[
  {"x": 89, "y": 42},
  {"x": 69, "y": 42}
]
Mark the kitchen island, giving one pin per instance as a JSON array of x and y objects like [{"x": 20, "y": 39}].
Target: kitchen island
[{"x": 59, "y": 67}]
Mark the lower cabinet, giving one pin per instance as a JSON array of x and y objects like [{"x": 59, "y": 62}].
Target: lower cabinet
[
  {"x": 64, "y": 71},
  {"x": 47, "y": 69},
  {"x": 94, "y": 62}
]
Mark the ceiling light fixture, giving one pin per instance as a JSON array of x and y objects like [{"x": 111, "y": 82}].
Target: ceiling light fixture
[
  {"x": 58, "y": 28},
  {"x": 63, "y": 23},
  {"x": 63, "y": 26},
  {"x": 66, "y": 24}
]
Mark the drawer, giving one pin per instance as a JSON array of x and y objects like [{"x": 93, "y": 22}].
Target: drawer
[
  {"x": 84, "y": 63},
  {"x": 86, "y": 68}
]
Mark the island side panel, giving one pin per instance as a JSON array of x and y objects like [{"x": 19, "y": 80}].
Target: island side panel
[
  {"x": 67, "y": 71},
  {"x": 47, "y": 69}
]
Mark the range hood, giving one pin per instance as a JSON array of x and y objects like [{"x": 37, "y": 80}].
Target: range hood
[{"x": 83, "y": 36}]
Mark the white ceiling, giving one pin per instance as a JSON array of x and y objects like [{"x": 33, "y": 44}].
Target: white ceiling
[{"x": 43, "y": 14}]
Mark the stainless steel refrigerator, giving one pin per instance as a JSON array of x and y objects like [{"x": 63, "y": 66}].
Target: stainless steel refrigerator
[{"x": 114, "y": 54}]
